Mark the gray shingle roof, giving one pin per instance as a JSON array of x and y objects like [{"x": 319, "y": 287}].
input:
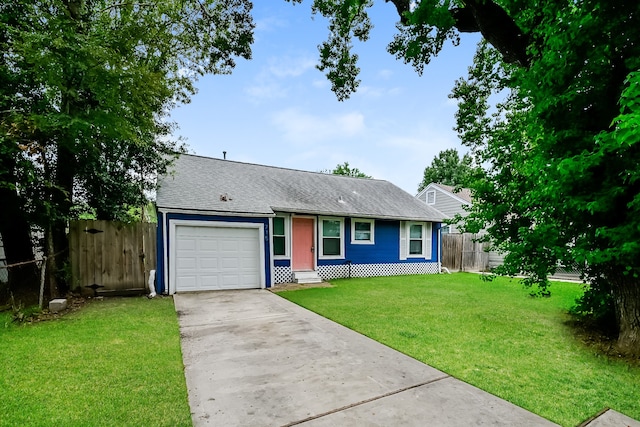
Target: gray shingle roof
[
  {"x": 228, "y": 187},
  {"x": 463, "y": 193}
]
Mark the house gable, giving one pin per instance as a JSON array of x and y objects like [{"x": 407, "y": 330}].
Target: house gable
[{"x": 446, "y": 200}]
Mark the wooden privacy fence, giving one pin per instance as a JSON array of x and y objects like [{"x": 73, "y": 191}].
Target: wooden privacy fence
[
  {"x": 460, "y": 252},
  {"x": 115, "y": 256}
]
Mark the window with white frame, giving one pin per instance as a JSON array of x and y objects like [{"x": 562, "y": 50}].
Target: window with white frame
[
  {"x": 362, "y": 231},
  {"x": 280, "y": 236},
  {"x": 415, "y": 240},
  {"x": 431, "y": 197},
  {"x": 331, "y": 238}
]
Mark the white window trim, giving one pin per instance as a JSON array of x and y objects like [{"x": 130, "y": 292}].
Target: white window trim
[
  {"x": 321, "y": 238},
  {"x": 426, "y": 197},
  {"x": 371, "y": 241},
  {"x": 405, "y": 240},
  {"x": 287, "y": 237}
]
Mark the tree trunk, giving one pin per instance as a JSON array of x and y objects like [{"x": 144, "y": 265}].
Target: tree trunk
[
  {"x": 57, "y": 246},
  {"x": 626, "y": 297}
]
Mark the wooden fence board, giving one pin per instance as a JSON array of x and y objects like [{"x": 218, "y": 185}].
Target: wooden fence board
[
  {"x": 461, "y": 253},
  {"x": 119, "y": 257}
]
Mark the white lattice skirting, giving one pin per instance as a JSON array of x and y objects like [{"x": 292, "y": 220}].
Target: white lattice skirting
[
  {"x": 282, "y": 275},
  {"x": 327, "y": 272}
]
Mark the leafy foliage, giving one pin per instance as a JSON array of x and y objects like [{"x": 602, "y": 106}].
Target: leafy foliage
[
  {"x": 86, "y": 89},
  {"x": 449, "y": 169},
  {"x": 345, "y": 169}
]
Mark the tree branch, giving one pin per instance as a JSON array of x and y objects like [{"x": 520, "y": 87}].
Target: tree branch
[
  {"x": 498, "y": 28},
  {"x": 489, "y": 19},
  {"x": 402, "y": 6}
]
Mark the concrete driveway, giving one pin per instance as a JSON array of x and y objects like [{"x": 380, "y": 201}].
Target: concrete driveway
[{"x": 254, "y": 359}]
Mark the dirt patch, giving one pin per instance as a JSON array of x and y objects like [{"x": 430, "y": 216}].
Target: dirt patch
[
  {"x": 74, "y": 304},
  {"x": 297, "y": 286},
  {"x": 600, "y": 342}
]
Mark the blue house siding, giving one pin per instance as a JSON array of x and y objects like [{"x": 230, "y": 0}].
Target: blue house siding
[
  {"x": 382, "y": 258},
  {"x": 164, "y": 220},
  {"x": 386, "y": 248}
]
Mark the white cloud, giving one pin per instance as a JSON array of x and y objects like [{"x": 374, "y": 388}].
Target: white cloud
[
  {"x": 321, "y": 83},
  {"x": 270, "y": 23},
  {"x": 273, "y": 80},
  {"x": 370, "y": 91},
  {"x": 385, "y": 74},
  {"x": 286, "y": 66},
  {"x": 266, "y": 90},
  {"x": 301, "y": 127}
]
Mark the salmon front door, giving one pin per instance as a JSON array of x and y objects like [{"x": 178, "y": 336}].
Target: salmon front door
[{"x": 303, "y": 250}]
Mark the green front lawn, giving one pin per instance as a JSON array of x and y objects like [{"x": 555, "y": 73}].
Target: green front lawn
[
  {"x": 116, "y": 362},
  {"x": 490, "y": 334}
]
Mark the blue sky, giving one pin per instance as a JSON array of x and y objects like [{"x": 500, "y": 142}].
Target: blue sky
[{"x": 278, "y": 109}]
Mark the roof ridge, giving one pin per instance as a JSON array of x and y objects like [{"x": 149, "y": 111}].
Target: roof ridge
[{"x": 282, "y": 168}]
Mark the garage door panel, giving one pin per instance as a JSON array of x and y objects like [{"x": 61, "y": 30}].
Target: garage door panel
[
  {"x": 186, "y": 262},
  {"x": 247, "y": 263},
  {"x": 207, "y": 281},
  {"x": 231, "y": 263},
  {"x": 210, "y": 258},
  {"x": 188, "y": 283},
  {"x": 227, "y": 245},
  {"x": 186, "y": 244},
  {"x": 247, "y": 245},
  {"x": 208, "y": 245},
  {"x": 209, "y": 263}
]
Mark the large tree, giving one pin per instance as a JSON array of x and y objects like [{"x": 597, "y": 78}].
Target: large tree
[
  {"x": 448, "y": 168},
  {"x": 85, "y": 89},
  {"x": 562, "y": 149}
]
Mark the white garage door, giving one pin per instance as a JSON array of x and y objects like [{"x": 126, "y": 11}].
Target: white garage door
[{"x": 214, "y": 258}]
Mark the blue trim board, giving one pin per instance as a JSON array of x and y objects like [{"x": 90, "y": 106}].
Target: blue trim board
[{"x": 159, "y": 285}]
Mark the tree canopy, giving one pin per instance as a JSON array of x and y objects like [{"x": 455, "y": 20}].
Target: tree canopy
[
  {"x": 345, "y": 169},
  {"x": 85, "y": 89},
  {"x": 448, "y": 168},
  {"x": 561, "y": 146}
]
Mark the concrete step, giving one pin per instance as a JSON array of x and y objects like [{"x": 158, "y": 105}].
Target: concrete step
[{"x": 306, "y": 277}]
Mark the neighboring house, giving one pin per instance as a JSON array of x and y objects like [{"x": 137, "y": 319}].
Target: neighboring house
[
  {"x": 230, "y": 225},
  {"x": 448, "y": 201}
]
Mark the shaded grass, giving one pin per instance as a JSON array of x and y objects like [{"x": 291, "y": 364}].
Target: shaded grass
[
  {"x": 116, "y": 362},
  {"x": 490, "y": 334}
]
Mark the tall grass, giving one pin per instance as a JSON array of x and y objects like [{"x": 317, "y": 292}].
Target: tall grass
[
  {"x": 490, "y": 334},
  {"x": 115, "y": 362}
]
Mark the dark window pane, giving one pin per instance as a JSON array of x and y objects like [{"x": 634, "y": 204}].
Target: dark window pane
[
  {"x": 415, "y": 247},
  {"x": 415, "y": 231},
  {"x": 278, "y": 245},
  {"x": 330, "y": 228},
  {"x": 278, "y": 226},
  {"x": 330, "y": 246},
  {"x": 363, "y": 226}
]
